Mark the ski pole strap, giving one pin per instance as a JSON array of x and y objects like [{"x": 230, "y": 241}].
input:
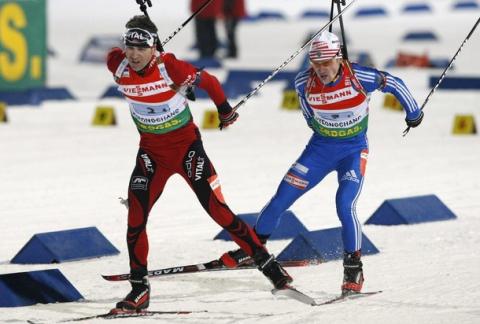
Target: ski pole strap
[{"x": 248, "y": 96}]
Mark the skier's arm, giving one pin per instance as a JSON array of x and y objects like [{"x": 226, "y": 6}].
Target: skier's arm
[
  {"x": 372, "y": 79},
  {"x": 185, "y": 74}
]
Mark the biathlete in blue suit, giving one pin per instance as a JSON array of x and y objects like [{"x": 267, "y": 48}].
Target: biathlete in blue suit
[{"x": 334, "y": 96}]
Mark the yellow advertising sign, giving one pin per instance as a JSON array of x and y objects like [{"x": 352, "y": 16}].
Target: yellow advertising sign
[{"x": 23, "y": 49}]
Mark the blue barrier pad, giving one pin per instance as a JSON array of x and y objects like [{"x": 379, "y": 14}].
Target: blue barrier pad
[
  {"x": 242, "y": 82},
  {"x": 466, "y": 5},
  {"x": 420, "y": 36},
  {"x": 417, "y": 7},
  {"x": 69, "y": 245},
  {"x": 456, "y": 83},
  {"x": 112, "y": 91},
  {"x": 369, "y": 12},
  {"x": 410, "y": 210},
  {"x": 29, "y": 288},
  {"x": 289, "y": 226},
  {"x": 266, "y": 14},
  {"x": 35, "y": 96},
  {"x": 322, "y": 245},
  {"x": 441, "y": 63},
  {"x": 315, "y": 14}
]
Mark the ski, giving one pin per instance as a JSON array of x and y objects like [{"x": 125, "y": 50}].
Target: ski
[
  {"x": 345, "y": 297},
  {"x": 294, "y": 293},
  {"x": 215, "y": 265},
  {"x": 113, "y": 315}
]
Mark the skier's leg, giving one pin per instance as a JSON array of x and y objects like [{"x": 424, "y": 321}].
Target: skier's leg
[
  {"x": 146, "y": 185},
  {"x": 351, "y": 173},
  {"x": 201, "y": 175},
  {"x": 304, "y": 174}
]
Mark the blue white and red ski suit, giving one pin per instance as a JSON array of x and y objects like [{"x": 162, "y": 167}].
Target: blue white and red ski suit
[{"x": 338, "y": 114}]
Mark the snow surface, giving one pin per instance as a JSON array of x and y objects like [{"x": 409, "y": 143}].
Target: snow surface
[{"x": 59, "y": 172}]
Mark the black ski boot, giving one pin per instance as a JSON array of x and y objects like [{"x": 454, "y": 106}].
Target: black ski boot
[
  {"x": 272, "y": 269},
  {"x": 139, "y": 298},
  {"x": 352, "y": 273}
]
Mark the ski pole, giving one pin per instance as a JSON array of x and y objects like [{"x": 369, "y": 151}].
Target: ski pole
[
  {"x": 143, "y": 7},
  {"x": 432, "y": 91},
  {"x": 331, "y": 15},
  {"x": 206, "y": 3},
  {"x": 237, "y": 106},
  {"x": 344, "y": 42}
]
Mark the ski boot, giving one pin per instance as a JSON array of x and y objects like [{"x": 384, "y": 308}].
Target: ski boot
[
  {"x": 139, "y": 297},
  {"x": 236, "y": 258},
  {"x": 352, "y": 273},
  {"x": 270, "y": 267}
]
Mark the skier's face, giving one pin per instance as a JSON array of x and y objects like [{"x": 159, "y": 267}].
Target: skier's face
[
  {"x": 138, "y": 57},
  {"x": 327, "y": 71}
]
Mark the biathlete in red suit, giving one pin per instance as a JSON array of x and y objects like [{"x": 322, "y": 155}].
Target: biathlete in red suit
[{"x": 156, "y": 84}]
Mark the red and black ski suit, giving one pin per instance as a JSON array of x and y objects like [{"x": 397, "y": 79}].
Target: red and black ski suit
[{"x": 170, "y": 143}]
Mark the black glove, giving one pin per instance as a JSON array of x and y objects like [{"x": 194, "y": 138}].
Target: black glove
[
  {"x": 226, "y": 115},
  {"x": 190, "y": 93},
  {"x": 414, "y": 122}
]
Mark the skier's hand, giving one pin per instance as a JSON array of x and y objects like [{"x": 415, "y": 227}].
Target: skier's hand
[
  {"x": 226, "y": 114},
  {"x": 190, "y": 93},
  {"x": 227, "y": 119},
  {"x": 415, "y": 122}
]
